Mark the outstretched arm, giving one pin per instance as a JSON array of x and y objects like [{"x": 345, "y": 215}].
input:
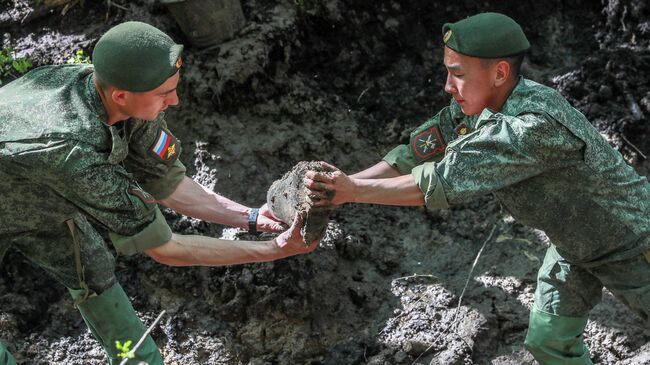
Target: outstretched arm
[
  {"x": 190, "y": 250},
  {"x": 335, "y": 187},
  {"x": 192, "y": 199},
  {"x": 381, "y": 170}
]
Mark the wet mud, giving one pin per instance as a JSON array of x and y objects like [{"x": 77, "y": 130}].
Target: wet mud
[{"x": 342, "y": 81}]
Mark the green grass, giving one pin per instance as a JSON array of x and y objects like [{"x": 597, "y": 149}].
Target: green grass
[{"x": 11, "y": 66}]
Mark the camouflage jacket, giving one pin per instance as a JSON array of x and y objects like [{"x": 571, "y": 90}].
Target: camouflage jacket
[
  {"x": 547, "y": 165},
  {"x": 58, "y": 158}
]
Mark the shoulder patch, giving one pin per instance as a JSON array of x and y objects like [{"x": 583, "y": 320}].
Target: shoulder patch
[
  {"x": 164, "y": 146},
  {"x": 427, "y": 143}
]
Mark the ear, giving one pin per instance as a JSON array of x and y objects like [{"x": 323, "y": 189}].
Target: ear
[
  {"x": 502, "y": 73},
  {"x": 119, "y": 96}
]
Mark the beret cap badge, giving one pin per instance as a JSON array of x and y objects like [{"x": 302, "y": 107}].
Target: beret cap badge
[
  {"x": 485, "y": 35},
  {"x": 447, "y": 35}
]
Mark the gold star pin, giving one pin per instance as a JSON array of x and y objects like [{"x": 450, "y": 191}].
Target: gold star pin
[{"x": 462, "y": 129}]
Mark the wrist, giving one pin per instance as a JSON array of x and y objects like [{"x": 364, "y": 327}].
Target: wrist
[
  {"x": 276, "y": 250},
  {"x": 355, "y": 191},
  {"x": 253, "y": 213}
]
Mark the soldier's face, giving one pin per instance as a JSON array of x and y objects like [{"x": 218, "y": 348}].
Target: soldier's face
[
  {"x": 470, "y": 82},
  {"x": 147, "y": 105}
]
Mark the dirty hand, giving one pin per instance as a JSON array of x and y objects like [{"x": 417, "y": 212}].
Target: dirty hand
[
  {"x": 291, "y": 241},
  {"x": 332, "y": 187},
  {"x": 267, "y": 222}
]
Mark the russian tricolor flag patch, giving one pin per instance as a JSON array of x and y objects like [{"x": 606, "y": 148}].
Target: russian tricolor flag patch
[{"x": 165, "y": 146}]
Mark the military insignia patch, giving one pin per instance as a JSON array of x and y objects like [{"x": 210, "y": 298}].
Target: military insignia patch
[
  {"x": 164, "y": 148},
  {"x": 462, "y": 129},
  {"x": 446, "y": 37},
  {"x": 428, "y": 143}
]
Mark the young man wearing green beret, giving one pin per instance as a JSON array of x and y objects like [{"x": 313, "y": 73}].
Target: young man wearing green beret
[
  {"x": 549, "y": 167},
  {"x": 86, "y": 149}
]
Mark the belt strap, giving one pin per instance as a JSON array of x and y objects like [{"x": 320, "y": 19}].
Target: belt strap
[{"x": 76, "y": 247}]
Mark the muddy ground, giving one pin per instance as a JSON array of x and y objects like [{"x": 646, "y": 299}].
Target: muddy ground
[{"x": 342, "y": 81}]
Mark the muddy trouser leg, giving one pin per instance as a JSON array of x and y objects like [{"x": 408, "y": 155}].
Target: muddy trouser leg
[
  {"x": 564, "y": 296},
  {"x": 5, "y": 356},
  {"x": 89, "y": 276}
]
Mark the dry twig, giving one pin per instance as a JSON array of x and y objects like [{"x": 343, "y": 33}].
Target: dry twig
[
  {"x": 460, "y": 299},
  {"x": 144, "y": 336}
]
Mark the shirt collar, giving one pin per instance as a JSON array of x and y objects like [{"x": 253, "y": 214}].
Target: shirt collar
[{"x": 94, "y": 99}]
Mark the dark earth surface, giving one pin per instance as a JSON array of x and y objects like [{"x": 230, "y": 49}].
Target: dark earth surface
[{"x": 342, "y": 81}]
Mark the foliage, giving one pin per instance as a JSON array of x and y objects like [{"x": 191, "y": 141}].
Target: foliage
[
  {"x": 80, "y": 57},
  {"x": 10, "y": 66},
  {"x": 126, "y": 353}
]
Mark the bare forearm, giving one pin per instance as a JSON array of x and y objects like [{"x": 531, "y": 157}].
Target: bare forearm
[
  {"x": 194, "y": 200},
  {"x": 381, "y": 170},
  {"x": 191, "y": 250},
  {"x": 400, "y": 190}
]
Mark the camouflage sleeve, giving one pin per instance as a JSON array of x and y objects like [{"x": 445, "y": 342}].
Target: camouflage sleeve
[
  {"x": 427, "y": 143},
  {"x": 103, "y": 191},
  {"x": 503, "y": 150},
  {"x": 153, "y": 157}
]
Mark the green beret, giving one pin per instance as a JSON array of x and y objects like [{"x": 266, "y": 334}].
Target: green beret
[
  {"x": 485, "y": 35},
  {"x": 136, "y": 56}
]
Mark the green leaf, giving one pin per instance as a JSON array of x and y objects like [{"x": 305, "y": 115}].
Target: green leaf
[
  {"x": 79, "y": 57},
  {"x": 22, "y": 65}
]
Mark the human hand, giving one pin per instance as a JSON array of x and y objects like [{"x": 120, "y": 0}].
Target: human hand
[
  {"x": 267, "y": 222},
  {"x": 332, "y": 187},
  {"x": 291, "y": 241}
]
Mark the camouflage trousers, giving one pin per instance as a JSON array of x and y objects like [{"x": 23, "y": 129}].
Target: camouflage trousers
[
  {"x": 52, "y": 248},
  {"x": 565, "y": 295},
  {"x": 88, "y": 273}
]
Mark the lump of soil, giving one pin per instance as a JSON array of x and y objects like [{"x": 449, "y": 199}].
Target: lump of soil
[{"x": 288, "y": 196}]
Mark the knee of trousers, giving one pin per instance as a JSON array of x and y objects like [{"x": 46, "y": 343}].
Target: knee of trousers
[{"x": 554, "y": 339}]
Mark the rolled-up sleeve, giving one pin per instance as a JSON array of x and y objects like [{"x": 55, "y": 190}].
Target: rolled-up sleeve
[
  {"x": 426, "y": 143},
  {"x": 153, "y": 235},
  {"x": 426, "y": 178},
  {"x": 164, "y": 186},
  {"x": 400, "y": 158}
]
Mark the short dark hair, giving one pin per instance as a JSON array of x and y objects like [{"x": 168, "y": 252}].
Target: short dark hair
[
  {"x": 514, "y": 61},
  {"x": 102, "y": 85}
]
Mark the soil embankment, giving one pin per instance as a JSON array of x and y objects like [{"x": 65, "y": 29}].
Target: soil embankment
[{"x": 342, "y": 81}]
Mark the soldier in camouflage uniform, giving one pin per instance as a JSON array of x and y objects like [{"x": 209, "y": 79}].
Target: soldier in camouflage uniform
[
  {"x": 86, "y": 149},
  {"x": 548, "y": 166}
]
